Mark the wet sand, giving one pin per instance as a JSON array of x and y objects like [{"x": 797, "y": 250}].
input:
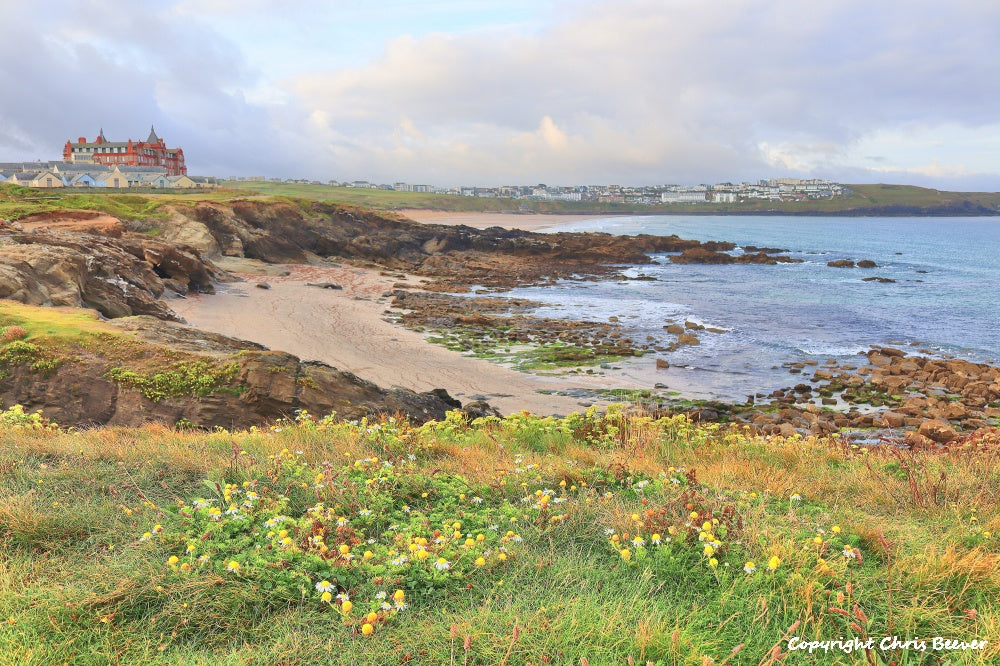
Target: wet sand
[{"x": 348, "y": 329}]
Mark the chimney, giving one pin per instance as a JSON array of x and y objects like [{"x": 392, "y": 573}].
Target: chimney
[{"x": 82, "y": 139}]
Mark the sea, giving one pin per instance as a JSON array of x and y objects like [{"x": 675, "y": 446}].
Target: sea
[{"x": 945, "y": 298}]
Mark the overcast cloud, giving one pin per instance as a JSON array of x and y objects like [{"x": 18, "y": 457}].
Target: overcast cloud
[{"x": 482, "y": 92}]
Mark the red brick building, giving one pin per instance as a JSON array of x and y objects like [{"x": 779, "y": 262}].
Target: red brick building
[{"x": 151, "y": 152}]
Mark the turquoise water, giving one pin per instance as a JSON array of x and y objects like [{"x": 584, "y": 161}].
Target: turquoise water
[{"x": 945, "y": 297}]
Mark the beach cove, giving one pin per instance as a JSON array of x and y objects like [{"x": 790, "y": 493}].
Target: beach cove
[{"x": 358, "y": 329}]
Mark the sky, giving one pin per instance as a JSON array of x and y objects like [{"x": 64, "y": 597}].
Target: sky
[{"x": 491, "y": 92}]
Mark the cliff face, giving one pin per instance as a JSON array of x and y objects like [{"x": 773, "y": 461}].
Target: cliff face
[
  {"x": 142, "y": 369},
  {"x": 117, "y": 277}
]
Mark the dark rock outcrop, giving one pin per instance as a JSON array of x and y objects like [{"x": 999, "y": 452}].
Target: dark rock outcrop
[
  {"x": 706, "y": 255},
  {"x": 117, "y": 277},
  {"x": 267, "y": 386}
]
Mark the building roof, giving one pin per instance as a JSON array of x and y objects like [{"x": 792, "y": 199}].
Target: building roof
[{"x": 152, "y": 135}]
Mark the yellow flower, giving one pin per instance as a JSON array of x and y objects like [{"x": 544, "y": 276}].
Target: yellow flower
[
  {"x": 398, "y": 595},
  {"x": 372, "y": 618},
  {"x": 186, "y": 567},
  {"x": 835, "y": 529},
  {"x": 233, "y": 566},
  {"x": 626, "y": 554},
  {"x": 173, "y": 560},
  {"x": 367, "y": 629},
  {"x": 346, "y": 607},
  {"x": 502, "y": 557},
  {"x": 817, "y": 540},
  {"x": 706, "y": 526},
  {"x": 709, "y": 551},
  {"x": 344, "y": 549},
  {"x": 326, "y": 596},
  {"x": 368, "y": 555},
  {"x": 480, "y": 561},
  {"x": 712, "y": 562},
  {"x": 774, "y": 562}
]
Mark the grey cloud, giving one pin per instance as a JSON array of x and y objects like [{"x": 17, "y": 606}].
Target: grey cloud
[
  {"x": 629, "y": 91},
  {"x": 671, "y": 90},
  {"x": 79, "y": 66}
]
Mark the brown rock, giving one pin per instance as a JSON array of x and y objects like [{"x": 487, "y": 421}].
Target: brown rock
[
  {"x": 938, "y": 431},
  {"x": 688, "y": 339},
  {"x": 917, "y": 441},
  {"x": 661, "y": 364},
  {"x": 787, "y": 430},
  {"x": 878, "y": 360},
  {"x": 893, "y": 419}
]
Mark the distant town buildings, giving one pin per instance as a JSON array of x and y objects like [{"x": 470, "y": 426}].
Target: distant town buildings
[
  {"x": 150, "y": 164},
  {"x": 774, "y": 189},
  {"x": 152, "y": 152},
  {"x": 77, "y": 175},
  {"x": 128, "y": 164}
]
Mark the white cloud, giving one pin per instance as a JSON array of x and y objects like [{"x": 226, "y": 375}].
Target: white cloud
[{"x": 630, "y": 91}]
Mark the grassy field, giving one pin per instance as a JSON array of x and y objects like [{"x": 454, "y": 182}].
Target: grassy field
[
  {"x": 861, "y": 196},
  {"x": 17, "y": 202},
  {"x": 594, "y": 539}
]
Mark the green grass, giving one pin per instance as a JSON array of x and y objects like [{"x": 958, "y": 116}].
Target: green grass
[
  {"x": 861, "y": 196},
  {"x": 52, "y": 337},
  {"x": 17, "y": 202},
  {"x": 102, "y": 533}
]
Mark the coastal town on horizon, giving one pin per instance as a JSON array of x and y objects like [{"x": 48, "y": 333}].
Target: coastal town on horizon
[{"x": 150, "y": 164}]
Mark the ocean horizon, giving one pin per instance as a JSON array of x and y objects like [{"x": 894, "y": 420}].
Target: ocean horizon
[{"x": 943, "y": 298}]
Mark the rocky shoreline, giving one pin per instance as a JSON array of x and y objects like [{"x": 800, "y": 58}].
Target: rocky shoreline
[
  {"x": 910, "y": 399},
  {"x": 123, "y": 270}
]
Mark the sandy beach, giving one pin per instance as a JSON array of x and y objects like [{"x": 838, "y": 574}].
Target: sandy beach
[
  {"x": 349, "y": 329},
  {"x": 526, "y": 222}
]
